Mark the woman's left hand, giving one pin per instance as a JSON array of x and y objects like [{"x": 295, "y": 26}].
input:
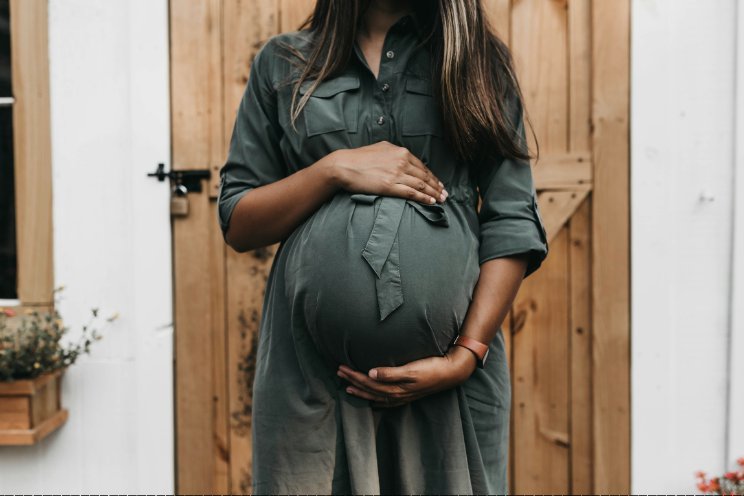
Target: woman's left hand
[{"x": 394, "y": 386}]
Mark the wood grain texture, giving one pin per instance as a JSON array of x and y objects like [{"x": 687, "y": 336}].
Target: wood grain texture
[
  {"x": 541, "y": 380},
  {"x": 539, "y": 46},
  {"x": 198, "y": 142},
  {"x": 610, "y": 245},
  {"x": 579, "y": 76},
  {"x": 580, "y": 344},
  {"x": 293, "y": 13},
  {"x": 557, "y": 208},
  {"x": 571, "y": 171},
  {"x": 246, "y": 27},
  {"x": 32, "y": 153}
]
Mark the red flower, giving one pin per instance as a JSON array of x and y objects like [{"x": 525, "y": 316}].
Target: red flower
[
  {"x": 700, "y": 474},
  {"x": 730, "y": 476},
  {"x": 714, "y": 486},
  {"x": 8, "y": 312},
  {"x": 740, "y": 461},
  {"x": 702, "y": 486}
]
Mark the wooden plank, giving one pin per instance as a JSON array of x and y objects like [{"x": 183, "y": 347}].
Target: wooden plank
[
  {"x": 246, "y": 282},
  {"x": 564, "y": 171},
  {"x": 32, "y": 151},
  {"x": 580, "y": 75},
  {"x": 557, "y": 207},
  {"x": 246, "y": 27},
  {"x": 541, "y": 377},
  {"x": 198, "y": 142},
  {"x": 28, "y": 386},
  {"x": 15, "y": 412},
  {"x": 610, "y": 245},
  {"x": 218, "y": 331},
  {"x": 498, "y": 13},
  {"x": 196, "y": 83},
  {"x": 581, "y": 349},
  {"x": 539, "y": 47},
  {"x": 292, "y": 13},
  {"x": 25, "y": 437}
]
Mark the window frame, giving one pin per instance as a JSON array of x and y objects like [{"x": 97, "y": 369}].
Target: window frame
[{"x": 29, "y": 40}]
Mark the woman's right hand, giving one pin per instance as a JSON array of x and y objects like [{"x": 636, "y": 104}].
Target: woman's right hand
[{"x": 386, "y": 169}]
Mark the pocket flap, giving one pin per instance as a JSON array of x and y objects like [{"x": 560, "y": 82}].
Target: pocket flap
[
  {"x": 330, "y": 87},
  {"x": 418, "y": 85}
]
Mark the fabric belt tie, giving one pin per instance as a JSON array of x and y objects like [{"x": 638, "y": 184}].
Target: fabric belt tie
[{"x": 382, "y": 251}]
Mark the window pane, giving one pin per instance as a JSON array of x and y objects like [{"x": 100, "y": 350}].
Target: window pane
[
  {"x": 5, "y": 87},
  {"x": 8, "y": 261}
]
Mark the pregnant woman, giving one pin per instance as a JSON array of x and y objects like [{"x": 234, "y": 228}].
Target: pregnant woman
[{"x": 363, "y": 143}]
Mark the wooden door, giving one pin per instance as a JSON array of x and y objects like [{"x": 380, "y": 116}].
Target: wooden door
[{"x": 569, "y": 329}]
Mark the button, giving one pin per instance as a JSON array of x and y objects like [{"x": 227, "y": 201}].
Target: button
[
  {"x": 385, "y": 87},
  {"x": 390, "y": 54},
  {"x": 381, "y": 120}
]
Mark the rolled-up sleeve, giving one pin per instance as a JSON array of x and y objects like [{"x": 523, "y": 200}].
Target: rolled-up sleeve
[
  {"x": 254, "y": 156},
  {"x": 510, "y": 222}
]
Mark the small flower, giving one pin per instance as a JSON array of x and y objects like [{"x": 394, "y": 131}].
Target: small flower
[
  {"x": 700, "y": 474},
  {"x": 8, "y": 312},
  {"x": 740, "y": 461},
  {"x": 730, "y": 476},
  {"x": 702, "y": 486}
]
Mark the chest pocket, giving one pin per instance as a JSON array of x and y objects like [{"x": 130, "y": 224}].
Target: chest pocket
[
  {"x": 332, "y": 106},
  {"x": 421, "y": 114}
]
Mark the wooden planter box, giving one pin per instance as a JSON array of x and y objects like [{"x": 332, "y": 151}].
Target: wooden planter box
[{"x": 30, "y": 409}]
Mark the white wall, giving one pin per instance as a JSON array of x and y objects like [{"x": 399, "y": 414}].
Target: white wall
[
  {"x": 683, "y": 153},
  {"x": 110, "y": 126}
]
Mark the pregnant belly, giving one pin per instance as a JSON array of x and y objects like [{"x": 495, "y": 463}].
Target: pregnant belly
[{"x": 382, "y": 281}]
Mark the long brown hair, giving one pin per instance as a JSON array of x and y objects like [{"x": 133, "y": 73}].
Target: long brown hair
[{"x": 472, "y": 70}]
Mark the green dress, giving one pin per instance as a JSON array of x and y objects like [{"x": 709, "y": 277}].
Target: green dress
[{"x": 371, "y": 280}]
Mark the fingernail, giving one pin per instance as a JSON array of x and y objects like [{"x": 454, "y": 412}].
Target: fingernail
[
  {"x": 373, "y": 373},
  {"x": 432, "y": 199},
  {"x": 349, "y": 390},
  {"x": 446, "y": 193},
  {"x": 442, "y": 197},
  {"x": 339, "y": 373},
  {"x": 441, "y": 184}
]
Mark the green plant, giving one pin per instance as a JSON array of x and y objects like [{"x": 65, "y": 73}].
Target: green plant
[{"x": 33, "y": 346}]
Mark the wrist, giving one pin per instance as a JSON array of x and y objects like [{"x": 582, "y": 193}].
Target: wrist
[
  {"x": 332, "y": 170},
  {"x": 463, "y": 359}
]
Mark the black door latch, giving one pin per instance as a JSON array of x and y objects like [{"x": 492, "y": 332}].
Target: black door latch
[{"x": 185, "y": 181}]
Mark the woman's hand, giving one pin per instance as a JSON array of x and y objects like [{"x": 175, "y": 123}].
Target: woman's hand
[
  {"x": 386, "y": 169},
  {"x": 394, "y": 386}
]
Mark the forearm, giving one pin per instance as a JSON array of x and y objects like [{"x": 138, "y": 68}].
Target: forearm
[
  {"x": 269, "y": 213},
  {"x": 494, "y": 293}
]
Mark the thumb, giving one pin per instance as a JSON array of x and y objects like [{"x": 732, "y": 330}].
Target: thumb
[{"x": 389, "y": 374}]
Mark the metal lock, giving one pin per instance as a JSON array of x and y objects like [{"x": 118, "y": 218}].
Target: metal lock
[{"x": 179, "y": 201}]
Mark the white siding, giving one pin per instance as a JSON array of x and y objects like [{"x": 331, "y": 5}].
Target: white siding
[
  {"x": 110, "y": 126},
  {"x": 682, "y": 171},
  {"x": 736, "y": 385}
]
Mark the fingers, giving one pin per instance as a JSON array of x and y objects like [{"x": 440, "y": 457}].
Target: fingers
[
  {"x": 422, "y": 188},
  {"x": 404, "y": 191},
  {"x": 362, "y": 381},
  {"x": 391, "y": 374},
  {"x": 421, "y": 171}
]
